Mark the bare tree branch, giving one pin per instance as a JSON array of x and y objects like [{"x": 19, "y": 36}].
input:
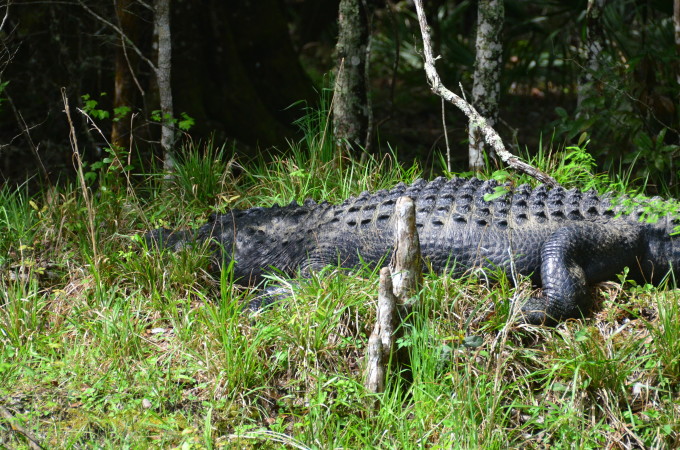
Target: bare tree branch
[
  {"x": 4, "y": 19},
  {"x": 26, "y": 131},
  {"x": 32, "y": 441},
  {"x": 120, "y": 32},
  {"x": 490, "y": 136}
]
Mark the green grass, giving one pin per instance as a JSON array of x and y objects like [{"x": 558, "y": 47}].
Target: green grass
[{"x": 126, "y": 347}]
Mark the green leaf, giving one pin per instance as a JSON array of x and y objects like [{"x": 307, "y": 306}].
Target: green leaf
[
  {"x": 581, "y": 336},
  {"x": 121, "y": 112},
  {"x": 499, "y": 192},
  {"x": 186, "y": 123},
  {"x": 473, "y": 341},
  {"x": 561, "y": 112}
]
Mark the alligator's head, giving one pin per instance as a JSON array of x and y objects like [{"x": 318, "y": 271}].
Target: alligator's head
[
  {"x": 257, "y": 240},
  {"x": 163, "y": 238}
]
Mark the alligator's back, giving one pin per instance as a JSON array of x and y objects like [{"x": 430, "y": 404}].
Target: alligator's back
[{"x": 461, "y": 222}]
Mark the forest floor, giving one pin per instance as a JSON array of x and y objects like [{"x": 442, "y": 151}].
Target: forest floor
[{"x": 105, "y": 343}]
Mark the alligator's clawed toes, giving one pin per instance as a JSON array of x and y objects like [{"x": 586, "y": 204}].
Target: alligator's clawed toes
[{"x": 536, "y": 317}]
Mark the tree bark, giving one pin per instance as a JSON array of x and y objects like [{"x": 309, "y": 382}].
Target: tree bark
[
  {"x": 350, "y": 104},
  {"x": 163, "y": 69},
  {"x": 676, "y": 26},
  {"x": 486, "y": 87},
  {"x": 124, "y": 87}
]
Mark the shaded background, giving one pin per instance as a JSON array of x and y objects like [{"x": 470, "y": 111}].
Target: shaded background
[{"x": 243, "y": 71}]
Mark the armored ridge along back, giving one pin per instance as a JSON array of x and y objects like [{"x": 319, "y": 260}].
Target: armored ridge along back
[{"x": 566, "y": 240}]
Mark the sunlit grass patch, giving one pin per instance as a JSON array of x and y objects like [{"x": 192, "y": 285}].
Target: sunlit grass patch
[{"x": 107, "y": 342}]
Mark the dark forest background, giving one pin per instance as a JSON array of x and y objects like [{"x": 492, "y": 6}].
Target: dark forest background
[{"x": 243, "y": 73}]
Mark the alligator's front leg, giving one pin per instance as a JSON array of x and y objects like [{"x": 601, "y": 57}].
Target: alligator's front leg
[{"x": 572, "y": 259}]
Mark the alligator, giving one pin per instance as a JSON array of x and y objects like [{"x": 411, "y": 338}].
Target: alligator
[{"x": 564, "y": 240}]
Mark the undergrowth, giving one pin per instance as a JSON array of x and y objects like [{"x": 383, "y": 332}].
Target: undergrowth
[{"x": 122, "y": 346}]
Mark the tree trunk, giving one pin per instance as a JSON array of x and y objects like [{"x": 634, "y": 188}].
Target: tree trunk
[
  {"x": 236, "y": 73},
  {"x": 486, "y": 87},
  {"x": 592, "y": 46},
  {"x": 350, "y": 104},
  {"x": 124, "y": 88},
  {"x": 163, "y": 67},
  {"x": 676, "y": 23}
]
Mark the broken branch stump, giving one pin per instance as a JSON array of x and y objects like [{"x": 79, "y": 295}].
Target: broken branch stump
[{"x": 397, "y": 294}]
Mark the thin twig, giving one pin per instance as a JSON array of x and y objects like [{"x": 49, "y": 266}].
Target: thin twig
[
  {"x": 32, "y": 441},
  {"x": 130, "y": 191},
  {"x": 446, "y": 139},
  {"x": 81, "y": 176},
  {"x": 26, "y": 131},
  {"x": 121, "y": 33},
  {"x": 367, "y": 85}
]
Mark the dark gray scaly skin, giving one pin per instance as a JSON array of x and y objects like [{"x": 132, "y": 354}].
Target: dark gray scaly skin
[{"x": 566, "y": 240}]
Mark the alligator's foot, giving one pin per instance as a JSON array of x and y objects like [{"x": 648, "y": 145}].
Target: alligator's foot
[
  {"x": 536, "y": 316},
  {"x": 549, "y": 311}
]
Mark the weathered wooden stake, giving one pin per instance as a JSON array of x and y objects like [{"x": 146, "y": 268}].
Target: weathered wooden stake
[
  {"x": 397, "y": 294},
  {"x": 406, "y": 263},
  {"x": 382, "y": 338}
]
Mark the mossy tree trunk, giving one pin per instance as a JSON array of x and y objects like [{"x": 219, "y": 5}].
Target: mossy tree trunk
[
  {"x": 163, "y": 78},
  {"x": 486, "y": 87},
  {"x": 350, "y": 103}
]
